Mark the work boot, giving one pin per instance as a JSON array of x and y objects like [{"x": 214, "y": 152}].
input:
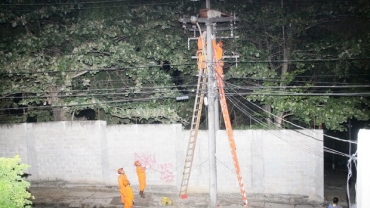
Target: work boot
[{"x": 142, "y": 194}]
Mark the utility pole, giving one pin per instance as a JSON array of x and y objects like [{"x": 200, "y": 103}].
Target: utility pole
[
  {"x": 217, "y": 110},
  {"x": 211, "y": 117},
  {"x": 213, "y": 93}
]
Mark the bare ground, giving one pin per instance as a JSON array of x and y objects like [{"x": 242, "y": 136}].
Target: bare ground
[{"x": 335, "y": 185}]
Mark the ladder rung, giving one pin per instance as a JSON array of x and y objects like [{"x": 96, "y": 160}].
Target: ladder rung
[{"x": 199, "y": 96}]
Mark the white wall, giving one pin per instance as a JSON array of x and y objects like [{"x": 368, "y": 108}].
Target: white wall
[
  {"x": 363, "y": 170},
  {"x": 89, "y": 152},
  {"x": 274, "y": 162}
]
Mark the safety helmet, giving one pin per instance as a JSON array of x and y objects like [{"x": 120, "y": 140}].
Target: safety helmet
[
  {"x": 120, "y": 171},
  {"x": 220, "y": 43},
  {"x": 136, "y": 163},
  {"x": 125, "y": 182},
  {"x": 166, "y": 201}
]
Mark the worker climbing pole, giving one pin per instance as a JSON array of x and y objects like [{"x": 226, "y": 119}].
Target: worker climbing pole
[{"x": 213, "y": 62}]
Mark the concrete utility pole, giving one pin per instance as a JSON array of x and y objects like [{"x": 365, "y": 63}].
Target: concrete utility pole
[
  {"x": 211, "y": 117},
  {"x": 212, "y": 91},
  {"x": 217, "y": 110}
]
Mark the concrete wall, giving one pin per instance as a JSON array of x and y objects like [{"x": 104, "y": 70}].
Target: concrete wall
[
  {"x": 363, "y": 170},
  {"x": 90, "y": 152}
]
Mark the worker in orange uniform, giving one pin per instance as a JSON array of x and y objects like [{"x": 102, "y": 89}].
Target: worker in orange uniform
[
  {"x": 141, "y": 175},
  {"x": 200, "y": 53},
  {"x": 121, "y": 178},
  {"x": 218, "y": 50},
  {"x": 129, "y": 195}
]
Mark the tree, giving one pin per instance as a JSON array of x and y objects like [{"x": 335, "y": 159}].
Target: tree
[
  {"x": 117, "y": 65},
  {"x": 13, "y": 188},
  {"x": 293, "y": 47},
  {"x": 126, "y": 61}
]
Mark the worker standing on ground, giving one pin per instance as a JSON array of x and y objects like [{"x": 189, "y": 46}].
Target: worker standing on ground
[
  {"x": 121, "y": 178},
  {"x": 141, "y": 175},
  {"x": 129, "y": 195}
]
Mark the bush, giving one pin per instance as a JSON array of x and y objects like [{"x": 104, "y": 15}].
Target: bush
[{"x": 13, "y": 188}]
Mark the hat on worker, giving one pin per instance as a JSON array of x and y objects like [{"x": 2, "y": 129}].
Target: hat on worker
[
  {"x": 120, "y": 171},
  {"x": 136, "y": 163}
]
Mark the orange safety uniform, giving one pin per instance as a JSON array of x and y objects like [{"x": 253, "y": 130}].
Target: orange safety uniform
[
  {"x": 200, "y": 54},
  {"x": 218, "y": 53},
  {"x": 122, "y": 177},
  {"x": 141, "y": 175},
  {"x": 129, "y": 197}
]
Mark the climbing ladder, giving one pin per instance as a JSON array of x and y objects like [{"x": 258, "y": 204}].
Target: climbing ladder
[
  {"x": 193, "y": 134},
  {"x": 202, "y": 81},
  {"x": 230, "y": 134}
]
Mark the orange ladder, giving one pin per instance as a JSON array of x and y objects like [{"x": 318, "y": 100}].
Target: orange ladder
[
  {"x": 202, "y": 81},
  {"x": 229, "y": 129}
]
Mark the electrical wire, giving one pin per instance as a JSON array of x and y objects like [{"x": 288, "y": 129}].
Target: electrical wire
[
  {"x": 301, "y": 3},
  {"x": 300, "y": 143},
  {"x": 309, "y": 148},
  {"x": 92, "y": 7},
  {"x": 125, "y": 91},
  {"x": 303, "y": 87},
  {"x": 89, "y": 2},
  {"x": 182, "y": 64},
  {"x": 283, "y": 92},
  {"x": 92, "y": 103},
  {"x": 326, "y": 149},
  {"x": 353, "y": 94},
  {"x": 295, "y": 124}
]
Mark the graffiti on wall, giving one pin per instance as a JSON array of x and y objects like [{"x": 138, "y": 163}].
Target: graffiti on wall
[{"x": 165, "y": 169}]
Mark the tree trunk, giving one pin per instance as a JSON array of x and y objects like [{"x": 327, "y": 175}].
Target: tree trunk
[
  {"x": 268, "y": 117},
  {"x": 59, "y": 113},
  {"x": 284, "y": 70}
]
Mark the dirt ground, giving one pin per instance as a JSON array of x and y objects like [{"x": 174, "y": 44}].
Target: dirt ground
[{"x": 335, "y": 185}]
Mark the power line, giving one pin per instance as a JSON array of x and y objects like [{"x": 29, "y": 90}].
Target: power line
[
  {"x": 301, "y": 60},
  {"x": 303, "y": 87},
  {"x": 357, "y": 94},
  {"x": 148, "y": 99},
  {"x": 337, "y": 2},
  {"x": 290, "y": 93},
  {"x": 164, "y": 89},
  {"x": 296, "y": 124},
  {"x": 278, "y": 80},
  {"x": 91, "y": 103},
  {"x": 293, "y": 141},
  {"x": 301, "y": 144},
  {"x": 230, "y": 84},
  {"x": 95, "y": 70},
  {"x": 95, "y": 95},
  {"x": 185, "y": 88},
  {"x": 182, "y": 64},
  {"x": 90, "y": 7},
  {"x": 90, "y": 2}
]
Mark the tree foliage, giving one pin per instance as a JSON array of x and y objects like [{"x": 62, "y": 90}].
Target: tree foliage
[
  {"x": 126, "y": 61},
  {"x": 13, "y": 188},
  {"x": 292, "y": 47},
  {"x": 120, "y": 64}
]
